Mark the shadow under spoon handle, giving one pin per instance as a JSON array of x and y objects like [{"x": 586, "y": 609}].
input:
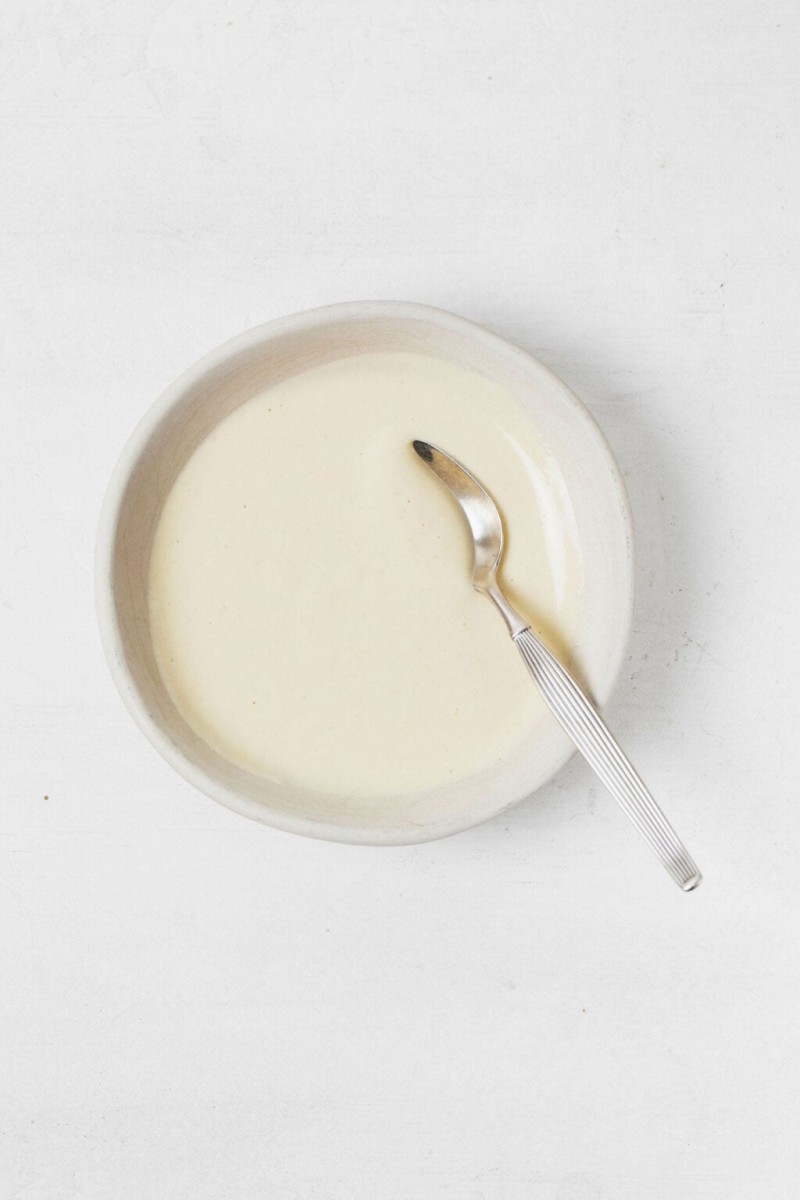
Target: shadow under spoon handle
[{"x": 598, "y": 746}]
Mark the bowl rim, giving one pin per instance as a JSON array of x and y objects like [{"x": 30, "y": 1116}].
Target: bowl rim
[{"x": 137, "y": 442}]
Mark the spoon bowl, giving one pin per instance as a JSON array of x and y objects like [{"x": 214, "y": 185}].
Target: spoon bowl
[{"x": 485, "y": 525}]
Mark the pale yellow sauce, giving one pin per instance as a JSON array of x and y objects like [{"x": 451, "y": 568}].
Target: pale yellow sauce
[{"x": 310, "y": 599}]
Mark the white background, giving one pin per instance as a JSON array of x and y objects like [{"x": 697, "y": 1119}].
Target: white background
[{"x": 196, "y": 1007}]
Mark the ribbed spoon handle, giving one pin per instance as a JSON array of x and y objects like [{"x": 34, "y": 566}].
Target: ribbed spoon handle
[{"x": 598, "y": 746}]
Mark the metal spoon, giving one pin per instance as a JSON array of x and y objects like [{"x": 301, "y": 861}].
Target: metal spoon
[{"x": 573, "y": 710}]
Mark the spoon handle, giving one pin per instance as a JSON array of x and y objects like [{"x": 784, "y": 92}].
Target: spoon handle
[{"x": 597, "y": 745}]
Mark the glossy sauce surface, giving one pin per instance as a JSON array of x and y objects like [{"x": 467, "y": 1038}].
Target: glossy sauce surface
[{"x": 310, "y": 599}]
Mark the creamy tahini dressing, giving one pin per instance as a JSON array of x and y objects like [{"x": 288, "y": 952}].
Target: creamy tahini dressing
[{"x": 310, "y": 599}]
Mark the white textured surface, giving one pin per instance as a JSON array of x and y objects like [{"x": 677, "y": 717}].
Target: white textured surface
[{"x": 196, "y": 1007}]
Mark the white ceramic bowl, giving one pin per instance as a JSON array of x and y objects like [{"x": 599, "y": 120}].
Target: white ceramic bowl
[{"x": 214, "y": 387}]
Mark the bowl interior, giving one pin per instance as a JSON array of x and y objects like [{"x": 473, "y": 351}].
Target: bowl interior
[{"x": 203, "y": 397}]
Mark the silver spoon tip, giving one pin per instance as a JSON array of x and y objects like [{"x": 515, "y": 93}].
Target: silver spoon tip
[{"x": 423, "y": 450}]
